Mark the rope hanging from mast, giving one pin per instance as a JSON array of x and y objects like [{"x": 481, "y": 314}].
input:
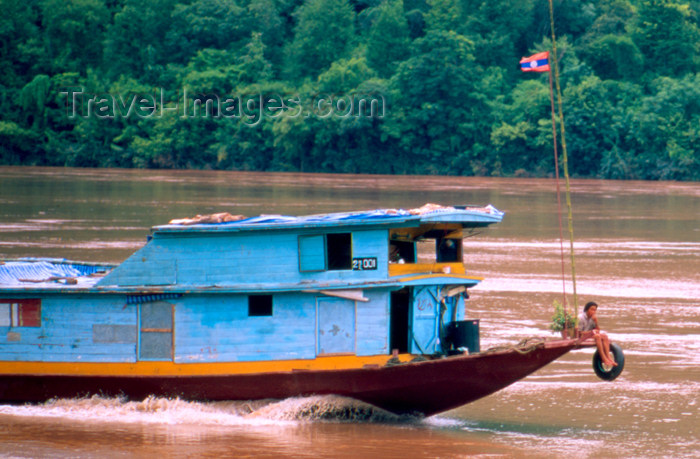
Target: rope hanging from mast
[{"x": 565, "y": 162}]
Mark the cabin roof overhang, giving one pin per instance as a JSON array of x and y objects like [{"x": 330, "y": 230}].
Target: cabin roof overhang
[
  {"x": 466, "y": 216},
  {"x": 394, "y": 282}
]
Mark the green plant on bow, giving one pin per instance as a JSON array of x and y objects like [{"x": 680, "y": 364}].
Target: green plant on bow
[{"x": 561, "y": 318}]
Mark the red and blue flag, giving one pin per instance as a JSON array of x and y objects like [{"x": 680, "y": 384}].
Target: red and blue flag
[{"x": 536, "y": 63}]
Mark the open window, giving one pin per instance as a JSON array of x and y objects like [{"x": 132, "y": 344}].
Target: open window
[
  {"x": 427, "y": 248},
  {"x": 321, "y": 252},
  {"x": 448, "y": 250},
  {"x": 260, "y": 305},
  {"x": 20, "y": 313},
  {"x": 402, "y": 251},
  {"x": 339, "y": 251}
]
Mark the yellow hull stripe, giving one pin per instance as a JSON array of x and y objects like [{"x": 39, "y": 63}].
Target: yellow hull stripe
[
  {"x": 336, "y": 362},
  {"x": 428, "y": 276}
]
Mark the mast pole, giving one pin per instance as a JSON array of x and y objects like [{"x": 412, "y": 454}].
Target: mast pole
[
  {"x": 556, "y": 174},
  {"x": 565, "y": 162}
]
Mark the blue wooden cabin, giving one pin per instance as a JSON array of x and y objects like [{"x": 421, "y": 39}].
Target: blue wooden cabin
[{"x": 268, "y": 288}]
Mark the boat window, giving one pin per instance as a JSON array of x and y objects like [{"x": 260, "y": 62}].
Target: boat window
[
  {"x": 20, "y": 313},
  {"x": 402, "y": 252},
  {"x": 259, "y": 305},
  {"x": 448, "y": 250},
  {"x": 441, "y": 245},
  {"x": 339, "y": 251}
]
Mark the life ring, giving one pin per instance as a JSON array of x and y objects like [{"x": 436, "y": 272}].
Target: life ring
[{"x": 609, "y": 373}]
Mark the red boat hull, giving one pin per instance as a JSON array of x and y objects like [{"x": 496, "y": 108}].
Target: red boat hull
[{"x": 426, "y": 388}]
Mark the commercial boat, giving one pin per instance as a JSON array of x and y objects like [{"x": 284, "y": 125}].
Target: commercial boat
[{"x": 368, "y": 305}]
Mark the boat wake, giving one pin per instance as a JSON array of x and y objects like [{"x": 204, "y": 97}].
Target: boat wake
[
  {"x": 326, "y": 408},
  {"x": 166, "y": 411}
]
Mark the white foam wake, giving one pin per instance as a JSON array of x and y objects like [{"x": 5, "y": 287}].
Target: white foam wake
[{"x": 155, "y": 410}]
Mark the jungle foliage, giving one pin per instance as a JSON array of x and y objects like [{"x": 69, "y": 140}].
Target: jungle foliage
[{"x": 105, "y": 83}]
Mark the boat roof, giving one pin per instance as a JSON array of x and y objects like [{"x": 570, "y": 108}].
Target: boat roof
[
  {"x": 466, "y": 215},
  {"x": 38, "y": 273},
  {"x": 34, "y": 274}
]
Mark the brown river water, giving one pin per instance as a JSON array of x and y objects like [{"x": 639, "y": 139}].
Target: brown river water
[{"x": 637, "y": 254}]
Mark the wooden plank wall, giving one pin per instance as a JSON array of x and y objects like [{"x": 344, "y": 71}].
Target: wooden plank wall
[
  {"x": 208, "y": 328},
  {"x": 213, "y": 329},
  {"x": 266, "y": 259},
  {"x": 98, "y": 328},
  {"x": 219, "y": 330}
]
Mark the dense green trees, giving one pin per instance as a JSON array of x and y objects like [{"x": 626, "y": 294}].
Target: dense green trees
[
  {"x": 667, "y": 34},
  {"x": 324, "y": 33},
  {"x": 367, "y": 86},
  {"x": 388, "y": 39}
]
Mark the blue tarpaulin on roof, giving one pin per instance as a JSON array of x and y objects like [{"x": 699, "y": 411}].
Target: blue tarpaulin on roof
[
  {"x": 43, "y": 270},
  {"x": 467, "y": 215}
]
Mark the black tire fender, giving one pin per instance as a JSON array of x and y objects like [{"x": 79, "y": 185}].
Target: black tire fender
[{"x": 605, "y": 373}]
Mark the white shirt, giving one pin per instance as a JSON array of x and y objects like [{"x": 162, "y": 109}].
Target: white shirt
[{"x": 585, "y": 323}]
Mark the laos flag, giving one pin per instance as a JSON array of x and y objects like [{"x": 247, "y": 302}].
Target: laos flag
[{"x": 536, "y": 63}]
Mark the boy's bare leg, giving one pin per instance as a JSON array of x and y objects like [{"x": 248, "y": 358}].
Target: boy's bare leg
[
  {"x": 606, "y": 346},
  {"x": 601, "y": 351}
]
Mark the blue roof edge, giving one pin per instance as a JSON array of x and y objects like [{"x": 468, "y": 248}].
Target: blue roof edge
[{"x": 478, "y": 215}]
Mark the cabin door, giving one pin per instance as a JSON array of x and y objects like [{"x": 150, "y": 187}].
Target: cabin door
[
  {"x": 156, "y": 331},
  {"x": 425, "y": 314},
  {"x": 399, "y": 320},
  {"x": 335, "y": 326}
]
